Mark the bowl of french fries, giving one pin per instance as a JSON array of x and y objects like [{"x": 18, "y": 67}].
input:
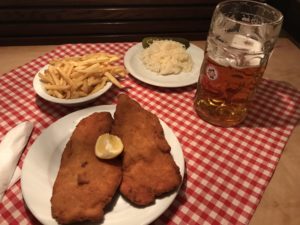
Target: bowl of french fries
[{"x": 78, "y": 79}]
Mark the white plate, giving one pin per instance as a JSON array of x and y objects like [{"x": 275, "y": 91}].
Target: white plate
[
  {"x": 40, "y": 90},
  {"x": 43, "y": 160},
  {"x": 137, "y": 69}
]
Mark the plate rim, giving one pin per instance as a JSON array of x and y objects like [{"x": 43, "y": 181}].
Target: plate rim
[
  {"x": 130, "y": 53},
  {"x": 39, "y": 90},
  {"x": 88, "y": 111}
]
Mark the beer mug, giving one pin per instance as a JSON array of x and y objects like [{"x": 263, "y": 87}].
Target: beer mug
[{"x": 241, "y": 38}]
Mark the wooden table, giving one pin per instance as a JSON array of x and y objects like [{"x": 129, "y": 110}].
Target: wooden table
[{"x": 280, "y": 204}]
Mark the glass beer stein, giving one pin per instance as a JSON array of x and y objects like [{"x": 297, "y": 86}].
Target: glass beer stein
[{"x": 241, "y": 38}]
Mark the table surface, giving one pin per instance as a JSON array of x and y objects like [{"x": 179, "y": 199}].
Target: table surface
[{"x": 281, "y": 201}]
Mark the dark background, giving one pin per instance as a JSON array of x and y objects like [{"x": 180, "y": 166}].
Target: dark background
[{"x": 36, "y": 22}]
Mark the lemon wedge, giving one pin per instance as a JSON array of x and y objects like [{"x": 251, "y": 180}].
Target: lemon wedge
[{"x": 108, "y": 146}]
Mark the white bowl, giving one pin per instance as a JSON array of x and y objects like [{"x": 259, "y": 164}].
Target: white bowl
[{"x": 40, "y": 90}]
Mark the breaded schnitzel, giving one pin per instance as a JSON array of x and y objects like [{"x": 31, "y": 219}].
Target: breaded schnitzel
[
  {"x": 148, "y": 167},
  {"x": 85, "y": 184}
]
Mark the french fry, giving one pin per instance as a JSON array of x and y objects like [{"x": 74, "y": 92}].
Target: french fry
[
  {"x": 79, "y": 76},
  {"x": 56, "y": 87},
  {"x": 68, "y": 69},
  {"x": 52, "y": 71},
  {"x": 65, "y": 77},
  {"x": 45, "y": 79},
  {"x": 113, "y": 79},
  {"x": 68, "y": 94},
  {"x": 85, "y": 87},
  {"x": 100, "y": 85},
  {"x": 57, "y": 94}
]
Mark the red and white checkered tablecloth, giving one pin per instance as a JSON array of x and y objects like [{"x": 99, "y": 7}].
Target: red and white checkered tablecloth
[{"x": 227, "y": 169}]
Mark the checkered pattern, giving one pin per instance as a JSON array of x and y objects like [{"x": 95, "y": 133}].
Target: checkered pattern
[{"x": 227, "y": 169}]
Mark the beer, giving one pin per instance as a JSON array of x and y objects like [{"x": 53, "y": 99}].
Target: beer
[
  {"x": 229, "y": 76},
  {"x": 224, "y": 100},
  {"x": 240, "y": 40}
]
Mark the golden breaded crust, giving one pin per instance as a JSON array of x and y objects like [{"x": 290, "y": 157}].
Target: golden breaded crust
[
  {"x": 85, "y": 184},
  {"x": 149, "y": 169}
]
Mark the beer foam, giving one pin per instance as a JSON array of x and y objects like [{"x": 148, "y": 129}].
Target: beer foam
[
  {"x": 246, "y": 43},
  {"x": 240, "y": 52}
]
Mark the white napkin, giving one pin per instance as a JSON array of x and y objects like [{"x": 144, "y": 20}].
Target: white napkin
[{"x": 11, "y": 148}]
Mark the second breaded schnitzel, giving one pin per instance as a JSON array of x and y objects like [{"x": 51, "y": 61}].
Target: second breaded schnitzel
[
  {"x": 85, "y": 184},
  {"x": 148, "y": 167}
]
